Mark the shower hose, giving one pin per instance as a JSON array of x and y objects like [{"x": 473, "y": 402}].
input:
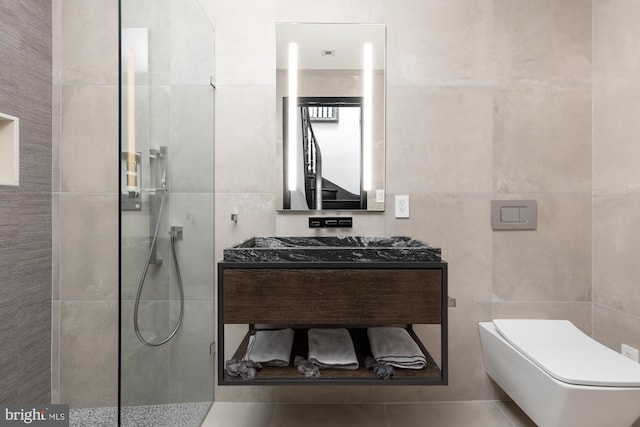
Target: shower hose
[{"x": 154, "y": 241}]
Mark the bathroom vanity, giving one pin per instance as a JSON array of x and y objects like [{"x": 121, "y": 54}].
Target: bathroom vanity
[{"x": 345, "y": 282}]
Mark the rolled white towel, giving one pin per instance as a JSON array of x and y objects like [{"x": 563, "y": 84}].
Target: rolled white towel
[
  {"x": 332, "y": 349},
  {"x": 394, "y": 346},
  {"x": 270, "y": 348}
]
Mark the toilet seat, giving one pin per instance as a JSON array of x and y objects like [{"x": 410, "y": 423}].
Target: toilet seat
[{"x": 567, "y": 354}]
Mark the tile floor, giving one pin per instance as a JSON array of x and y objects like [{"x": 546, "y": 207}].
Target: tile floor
[{"x": 432, "y": 414}]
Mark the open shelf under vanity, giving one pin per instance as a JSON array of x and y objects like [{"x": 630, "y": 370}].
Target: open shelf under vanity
[
  {"x": 351, "y": 295},
  {"x": 289, "y": 374}
]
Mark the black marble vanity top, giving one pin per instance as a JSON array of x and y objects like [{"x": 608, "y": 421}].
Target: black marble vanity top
[{"x": 331, "y": 249}]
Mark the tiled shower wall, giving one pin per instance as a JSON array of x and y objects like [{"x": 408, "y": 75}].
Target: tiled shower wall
[
  {"x": 486, "y": 99},
  {"x": 616, "y": 172},
  {"x": 85, "y": 203},
  {"x": 25, "y": 210}
]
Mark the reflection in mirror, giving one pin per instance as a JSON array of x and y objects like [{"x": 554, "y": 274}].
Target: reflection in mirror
[{"x": 333, "y": 137}]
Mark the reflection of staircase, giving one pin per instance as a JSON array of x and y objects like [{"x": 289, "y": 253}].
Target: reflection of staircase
[{"x": 333, "y": 196}]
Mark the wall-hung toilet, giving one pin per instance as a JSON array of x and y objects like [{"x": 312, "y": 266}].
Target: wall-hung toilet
[{"x": 558, "y": 375}]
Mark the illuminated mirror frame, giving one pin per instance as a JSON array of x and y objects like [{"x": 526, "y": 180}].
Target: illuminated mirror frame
[{"x": 372, "y": 125}]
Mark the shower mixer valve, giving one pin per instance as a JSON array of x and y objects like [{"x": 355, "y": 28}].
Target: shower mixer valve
[{"x": 176, "y": 232}]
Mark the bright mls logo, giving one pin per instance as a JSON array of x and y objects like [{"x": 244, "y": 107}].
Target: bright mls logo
[{"x": 35, "y": 415}]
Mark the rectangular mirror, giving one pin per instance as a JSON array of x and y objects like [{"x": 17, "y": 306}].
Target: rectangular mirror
[{"x": 330, "y": 95}]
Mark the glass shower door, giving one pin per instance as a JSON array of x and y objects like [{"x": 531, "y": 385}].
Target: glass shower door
[{"x": 166, "y": 213}]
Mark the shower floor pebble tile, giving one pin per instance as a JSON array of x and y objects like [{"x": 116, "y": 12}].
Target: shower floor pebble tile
[{"x": 170, "y": 415}]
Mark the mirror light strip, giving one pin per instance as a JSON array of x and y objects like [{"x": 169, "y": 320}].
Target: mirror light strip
[
  {"x": 367, "y": 116},
  {"x": 132, "y": 178},
  {"x": 292, "y": 119}
]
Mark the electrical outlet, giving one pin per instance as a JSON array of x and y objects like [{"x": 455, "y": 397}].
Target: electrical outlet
[
  {"x": 402, "y": 206},
  {"x": 630, "y": 352}
]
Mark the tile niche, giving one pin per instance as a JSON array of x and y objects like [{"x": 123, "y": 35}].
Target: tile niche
[{"x": 9, "y": 149}]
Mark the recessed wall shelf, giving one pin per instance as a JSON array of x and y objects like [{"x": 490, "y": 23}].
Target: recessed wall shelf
[{"x": 9, "y": 150}]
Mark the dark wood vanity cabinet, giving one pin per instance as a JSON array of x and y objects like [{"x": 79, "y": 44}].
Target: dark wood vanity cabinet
[{"x": 351, "y": 295}]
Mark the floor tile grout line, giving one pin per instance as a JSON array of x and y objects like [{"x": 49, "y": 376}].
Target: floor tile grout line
[{"x": 386, "y": 413}]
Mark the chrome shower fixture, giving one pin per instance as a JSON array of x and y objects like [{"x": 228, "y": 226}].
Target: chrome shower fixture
[{"x": 158, "y": 166}]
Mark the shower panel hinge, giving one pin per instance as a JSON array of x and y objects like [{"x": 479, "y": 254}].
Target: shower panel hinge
[
  {"x": 213, "y": 85},
  {"x": 212, "y": 348}
]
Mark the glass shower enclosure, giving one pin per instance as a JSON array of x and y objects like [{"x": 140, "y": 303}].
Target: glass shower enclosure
[{"x": 166, "y": 213}]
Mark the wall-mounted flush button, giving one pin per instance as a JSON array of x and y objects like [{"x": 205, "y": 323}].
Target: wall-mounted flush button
[
  {"x": 514, "y": 214},
  {"x": 510, "y": 214}
]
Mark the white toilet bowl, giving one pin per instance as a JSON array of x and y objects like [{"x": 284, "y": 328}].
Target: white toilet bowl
[{"x": 559, "y": 376}]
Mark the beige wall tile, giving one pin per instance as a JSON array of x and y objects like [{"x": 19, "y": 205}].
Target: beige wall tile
[
  {"x": 134, "y": 248},
  {"x": 88, "y": 247},
  {"x": 351, "y": 11},
  {"x": 439, "y": 42},
  {"x": 616, "y": 230},
  {"x": 89, "y": 353},
  {"x": 297, "y": 224},
  {"x": 91, "y": 58},
  {"x": 192, "y": 125},
  {"x": 552, "y": 263},
  {"x": 613, "y": 328},
  {"x": 245, "y": 42},
  {"x": 155, "y": 15},
  {"x": 616, "y": 107},
  {"x": 256, "y": 217},
  {"x": 616, "y": 179},
  {"x": 439, "y": 140},
  {"x": 245, "y": 139},
  {"x": 543, "y": 41},
  {"x": 461, "y": 226},
  {"x": 542, "y": 140},
  {"x": 195, "y": 252},
  {"x": 616, "y": 40},
  {"x": 192, "y": 44},
  {"x": 89, "y": 139}
]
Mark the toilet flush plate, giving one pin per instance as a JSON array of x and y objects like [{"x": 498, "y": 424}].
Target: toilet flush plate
[{"x": 514, "y": 214}]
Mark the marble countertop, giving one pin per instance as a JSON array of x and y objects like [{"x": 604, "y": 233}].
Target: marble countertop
[{"x": 332, "y": 249}]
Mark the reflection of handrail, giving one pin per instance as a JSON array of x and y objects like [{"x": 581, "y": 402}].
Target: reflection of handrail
[{"x": 314, "y": 158}]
